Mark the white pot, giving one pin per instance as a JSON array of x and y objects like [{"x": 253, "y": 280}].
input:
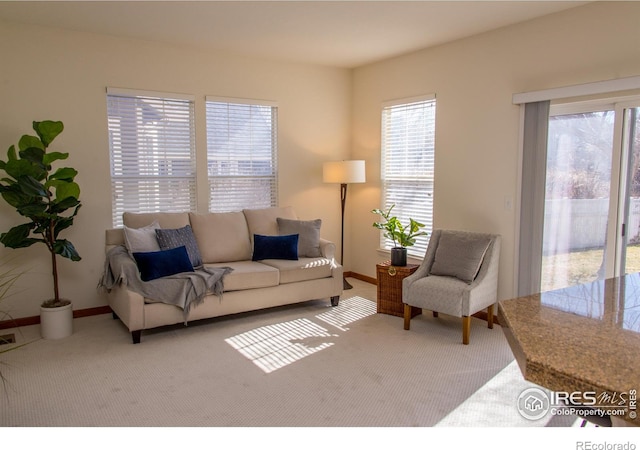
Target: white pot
[{"x": 56, "y": 323}]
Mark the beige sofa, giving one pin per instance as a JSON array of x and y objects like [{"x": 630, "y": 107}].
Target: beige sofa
[{"x": 226, "y": 240}]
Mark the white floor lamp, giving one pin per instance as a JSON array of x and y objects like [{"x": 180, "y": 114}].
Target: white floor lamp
[{"x": 343, "y": 172}]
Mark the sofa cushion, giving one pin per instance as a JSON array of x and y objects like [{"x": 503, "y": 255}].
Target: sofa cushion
[
  {"x": 221, "y": 237},
  {"x": 165, "y": 219},
  {"x": 275, "y": 247},
  {"x": 308, "y": 232},
  {"x": 301, "y": 270},
  {"x": 141, "y": 239},
  {"x": 264, "y": 221},
  {"x": 248, "y": 275},
  {"x": 459, "y": 256},
  {"x": 163, "y": 263},
  {"x": 178, "y": 237}
]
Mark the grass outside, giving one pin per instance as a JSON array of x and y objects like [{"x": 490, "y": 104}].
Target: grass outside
[{"x": 559, "y": 271}]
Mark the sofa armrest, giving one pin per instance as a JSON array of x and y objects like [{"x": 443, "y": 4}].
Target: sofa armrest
[
  {"x": 327, "y": 248},
  {"x": 128, "y": 306}
]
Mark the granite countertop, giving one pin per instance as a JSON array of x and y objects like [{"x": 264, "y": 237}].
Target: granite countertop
[{"x": 583, "y": 338}]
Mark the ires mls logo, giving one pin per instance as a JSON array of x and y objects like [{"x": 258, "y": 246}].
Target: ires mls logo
[{"x": 535, "y": 403}]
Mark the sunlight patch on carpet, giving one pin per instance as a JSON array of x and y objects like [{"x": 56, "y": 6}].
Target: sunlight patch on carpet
[
  {"x": 494, "y": 404},
  {"x": 348, "y": 311},
  {"x": 275, "y": 346}
]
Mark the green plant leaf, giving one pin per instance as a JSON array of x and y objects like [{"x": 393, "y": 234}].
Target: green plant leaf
[
  {"x": 33, "y": 210},
  {"x": 11, "y": 153},
  {"x": 66, "y": 189},
  {"x": 33, "y": 154},
  {"x": 16, "y": 168},
  {"x": 48, "y": 130},
  {"x": 64, "y": 173},
  {"x": 61, "y": 224},
  {"x": 54, "y": 156},
  {"x": 18, "y": 236},
  {"x": 30, "y": 186},
  {"x": 28, "y": 141},
  {"x": 57, "y": 207},
  {"x": 66, "y": 249},
  {"x": 15, "y": 199}
]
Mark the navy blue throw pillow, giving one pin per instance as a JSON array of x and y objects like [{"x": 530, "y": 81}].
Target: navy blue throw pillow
[
  {"x": 275, "y": 247},
  {"x": 154, "y": 265}
]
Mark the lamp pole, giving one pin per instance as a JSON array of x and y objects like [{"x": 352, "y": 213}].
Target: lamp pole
[{"x": 343, "y": 201}]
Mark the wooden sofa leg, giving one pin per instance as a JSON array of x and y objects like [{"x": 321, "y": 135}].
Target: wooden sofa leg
[
  {"x": 435, "y": 313},
  {"x": 335, "y": 300},
  {"x": 407, "y": 316},
  {"x": 135, "y": 335},
  {"x": 466, "y": 329},
  {"x": 490, "y": 316}
]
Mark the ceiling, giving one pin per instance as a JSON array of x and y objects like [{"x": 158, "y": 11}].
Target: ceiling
[{"x": 333, "y": 33}]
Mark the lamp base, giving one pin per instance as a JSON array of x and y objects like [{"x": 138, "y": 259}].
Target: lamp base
[{"x": 345, "y": 284}]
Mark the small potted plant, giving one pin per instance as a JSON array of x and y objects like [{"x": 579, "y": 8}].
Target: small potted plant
[
  {"x": 49, "y": 200},
  {"x": 402, "y": 236}
]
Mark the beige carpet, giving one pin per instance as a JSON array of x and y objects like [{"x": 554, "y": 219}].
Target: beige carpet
[{"x": 307, "y": 365}]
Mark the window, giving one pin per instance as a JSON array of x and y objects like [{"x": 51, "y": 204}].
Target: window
[
  {"x": 152, "y": 149},
  {"x": 241, "y": 154},
  {"x": 408, "y": 149},
  {"x": 580, "y": 210},
  {"x": 578, "y": 189}
]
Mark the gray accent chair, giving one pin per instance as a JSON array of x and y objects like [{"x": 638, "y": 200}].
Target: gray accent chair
[{"x": 458, "y": 277}]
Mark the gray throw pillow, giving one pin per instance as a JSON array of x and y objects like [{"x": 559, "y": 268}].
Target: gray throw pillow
[
  {"x": 141, "y": 239},
  {"x": 459, "y": 256},
  {"x": 308, "y": 232},
  {"x": 172, "y": 238}
]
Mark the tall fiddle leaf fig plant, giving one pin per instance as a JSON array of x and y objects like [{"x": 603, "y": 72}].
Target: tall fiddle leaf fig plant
[{"x": 48, "y": 198}]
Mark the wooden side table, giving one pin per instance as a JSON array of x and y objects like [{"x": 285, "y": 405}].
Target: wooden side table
[{"x": 389, "y": 281}]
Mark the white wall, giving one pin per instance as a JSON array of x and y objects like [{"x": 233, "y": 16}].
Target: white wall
[
  {"x": 477, "y": 126},
  {"x": 62, "y": 75}
]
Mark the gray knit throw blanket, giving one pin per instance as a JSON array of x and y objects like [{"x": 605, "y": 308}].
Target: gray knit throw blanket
[{"x": 184, "y": 290}]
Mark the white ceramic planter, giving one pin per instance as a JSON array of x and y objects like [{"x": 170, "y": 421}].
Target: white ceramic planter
[{"x": 56, "y": 323}]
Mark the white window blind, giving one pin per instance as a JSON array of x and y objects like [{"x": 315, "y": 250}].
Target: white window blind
[
  {"x": 408, "y": 150},
  {"x": 241, "y": 154},
  {"x": 152, "y": 148}
]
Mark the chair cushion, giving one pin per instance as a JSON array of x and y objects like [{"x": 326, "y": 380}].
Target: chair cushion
[
  {"x": 459, "y": 255},
  {"x": 275, "y": 247},
  {"x": 308, "y": 232},
  {"x": 440, "y": 293},
  {"x": 154, "y": 265},
  {"x": 179, "y": 237},
  {"x": 141, "y": 239}
]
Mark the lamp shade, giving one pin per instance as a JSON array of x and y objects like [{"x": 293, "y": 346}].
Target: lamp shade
[{"x": 344, "y": 172}]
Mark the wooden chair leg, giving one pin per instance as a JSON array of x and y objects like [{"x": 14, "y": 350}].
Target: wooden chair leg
[
  {"x": 466, "y": 329},
  {"x": 407, "y": 316},
  {"x": 490, "y": 316}
]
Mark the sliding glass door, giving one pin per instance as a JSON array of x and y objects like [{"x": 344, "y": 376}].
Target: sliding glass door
[{"x": 592, "y": 194}]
